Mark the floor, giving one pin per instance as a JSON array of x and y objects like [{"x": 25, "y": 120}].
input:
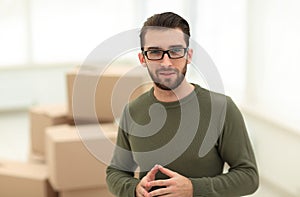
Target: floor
[
  {"x": 14, "y": 136},
  {"x": 14, "y": 145}
]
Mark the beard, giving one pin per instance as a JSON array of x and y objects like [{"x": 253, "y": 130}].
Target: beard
[{"x": 167, "y": 83}]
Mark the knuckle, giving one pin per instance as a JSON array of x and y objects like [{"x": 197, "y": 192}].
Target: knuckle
[
  {"x": 172, "y": 182},
  {"x": 163, "y": 183}
]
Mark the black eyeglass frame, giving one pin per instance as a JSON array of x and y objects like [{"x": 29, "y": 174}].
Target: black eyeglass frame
[{"x": 165, "y": 52}]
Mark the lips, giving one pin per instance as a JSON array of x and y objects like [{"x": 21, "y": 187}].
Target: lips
[{"x": 167, "y": 73}]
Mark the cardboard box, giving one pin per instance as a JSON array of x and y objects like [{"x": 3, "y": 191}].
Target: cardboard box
[
  {"x": 42, "y": 117},
  {"x": 101, "y": 97},
  {"x": 36, "y": 158},
  {"x": 71, "y": 165},
  {"x": 24, "y": 179},
  {"x": 94, "y": 192}
]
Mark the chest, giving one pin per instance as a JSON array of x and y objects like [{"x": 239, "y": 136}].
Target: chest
[{"x": 177, "y": 147}]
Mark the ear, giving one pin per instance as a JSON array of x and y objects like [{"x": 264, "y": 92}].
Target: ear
[
  {"x": 189, "y": 55},
  {"x": 142, "y": 59}
]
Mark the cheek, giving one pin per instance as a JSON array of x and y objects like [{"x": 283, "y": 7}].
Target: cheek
[
  {"x": 152, "y": 66},
  {"x": 181, "y": 64}
]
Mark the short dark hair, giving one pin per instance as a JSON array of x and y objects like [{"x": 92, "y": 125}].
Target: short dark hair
[{"x": 167, "y": 20}]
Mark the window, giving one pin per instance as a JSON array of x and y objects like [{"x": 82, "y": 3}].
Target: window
[
  {"x": 69, "y": 30},
  {"x": 13, "y": 34},
  {"x": 43, "y": 32},
  {"x": 274, "y": 60},
  {"x": 220, "y": 28}
]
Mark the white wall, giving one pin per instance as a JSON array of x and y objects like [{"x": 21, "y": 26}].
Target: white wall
[
  {"x": 272, "y": 93},
  {"x": 273, "y": 59},
  {"x": 264, "y": 34},
  {"x": 22, "y": 88},
  {"x": 277, "y": 152}
]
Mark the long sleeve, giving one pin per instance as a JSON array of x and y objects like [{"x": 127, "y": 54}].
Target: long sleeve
[
  {"x": 121, "y": 183},
  {"x": 235, "y": 148},
  {"x": 120, "y": 173}
]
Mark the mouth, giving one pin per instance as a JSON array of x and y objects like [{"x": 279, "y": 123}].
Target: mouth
[{"x": 167, "y": 73}]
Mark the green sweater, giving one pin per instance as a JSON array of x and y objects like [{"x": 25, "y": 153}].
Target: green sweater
[{"x": 194, "y": 137}]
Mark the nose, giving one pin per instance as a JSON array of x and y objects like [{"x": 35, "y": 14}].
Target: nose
[{"x": 166, "y": 61}]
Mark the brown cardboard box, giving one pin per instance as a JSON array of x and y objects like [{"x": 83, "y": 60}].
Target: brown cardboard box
[
  {"x": 71, "y": 165},
  {"x": 101, "y": 97},
  {"x": 94, "y": 192},
  {"x": 42, "y": 117},
  {"x": 36, "y": 158},
  {"x": 24, "y": 179}
]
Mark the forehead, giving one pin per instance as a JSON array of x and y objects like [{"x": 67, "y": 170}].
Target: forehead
[{"x": 164, "y": 38}]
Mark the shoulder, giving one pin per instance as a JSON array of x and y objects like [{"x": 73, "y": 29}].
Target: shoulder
[
  {"x": 212, "y": 98},
  {"x": 141, "y": 103},
  {"x": 220, "y": 105},
  {"x": 136, "y": 111}
]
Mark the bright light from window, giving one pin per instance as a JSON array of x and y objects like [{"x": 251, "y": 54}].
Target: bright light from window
[
  {"x": 70, "y": 30},
  {"x": 13, "y": 35}
]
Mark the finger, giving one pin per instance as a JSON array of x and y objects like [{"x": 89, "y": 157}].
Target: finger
[
  {"x": 163, "y": 183},
  {"x": 166, "y": 171},
  {"x": 160, "y": 192},
  {"x": 151, "y": 174},
  {"x": 142, "y": 192},
  {"x": 145, "y": 184}
]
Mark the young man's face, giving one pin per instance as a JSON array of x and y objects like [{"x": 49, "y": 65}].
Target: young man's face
[{"x": 166, "y": 73}]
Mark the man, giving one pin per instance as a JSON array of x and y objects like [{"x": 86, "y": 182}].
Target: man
[{"x": 162, "y": 131}]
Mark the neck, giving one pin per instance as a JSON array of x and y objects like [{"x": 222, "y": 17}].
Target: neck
[{"x": 180, "y": 92}]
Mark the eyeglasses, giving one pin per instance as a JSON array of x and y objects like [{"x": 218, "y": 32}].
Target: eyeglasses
[{"x": 157, "y": 54}]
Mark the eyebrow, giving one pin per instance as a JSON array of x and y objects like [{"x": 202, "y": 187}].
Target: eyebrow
[
  {"x": 176, "y": 46},
  {"x": 153, "y": 48},
  {"x": 171, "y": 46}
]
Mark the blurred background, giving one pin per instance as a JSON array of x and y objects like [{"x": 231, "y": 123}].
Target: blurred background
[{"x": 255, "y": 45}]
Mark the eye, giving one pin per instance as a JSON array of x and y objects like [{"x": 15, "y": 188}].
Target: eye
[
  {"x": 176, "y": 50},
  {"x": 154, "y": 52}
]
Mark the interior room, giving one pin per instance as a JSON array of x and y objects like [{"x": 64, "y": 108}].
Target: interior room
[{"x": 252, "y": 45}]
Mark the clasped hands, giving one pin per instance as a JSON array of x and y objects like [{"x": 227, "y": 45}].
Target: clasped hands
[{"x": 176, "y": 186}]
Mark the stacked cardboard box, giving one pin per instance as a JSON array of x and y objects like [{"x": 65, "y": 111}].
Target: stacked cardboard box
[
  {"x": 60, "y": 162},
  {"x": 72, "y": 165},
  {"x": 94, "y": 96},
  {"x": 24, "y": 179},
  {"x": 94, "y": 192},
  {"x": 42, "y": 117},
  {"x": 73, "y": 170},
  {"x": 31, "y": 178}
]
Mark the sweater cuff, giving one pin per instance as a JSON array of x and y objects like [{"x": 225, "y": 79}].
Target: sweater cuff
[
  {"x": 134, "y": 183},
  {"x": 201, "y": 186}
]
